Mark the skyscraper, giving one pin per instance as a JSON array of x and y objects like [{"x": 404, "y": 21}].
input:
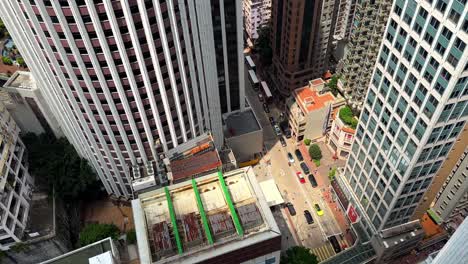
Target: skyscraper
[
  {"x": 302, "y": 41},
  {"x": 123, "y": 75},
  {"x": 369, "y": 20},
  {"x": 415, "y": 109}
]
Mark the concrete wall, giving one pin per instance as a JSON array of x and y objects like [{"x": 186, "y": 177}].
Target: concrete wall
[
  {"x": 314, "y": 128},
  {"x": 246, "y": 146},
  {"x": 36, "y": 252}
]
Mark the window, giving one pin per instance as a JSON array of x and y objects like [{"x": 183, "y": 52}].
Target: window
[
  {"x": 454, "y": 16},
  {"x": 434, "y": 23},
  {"x": 447, "y": 33},
  {"x": 428, "y": 38},
  {"x": 459, "y": 44},
  {"x": 430, "y": 107},
  {"x": 441, "y": 5}
]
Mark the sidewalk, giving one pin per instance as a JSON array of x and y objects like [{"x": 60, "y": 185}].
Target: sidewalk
[{"x": 321, "y": 175}]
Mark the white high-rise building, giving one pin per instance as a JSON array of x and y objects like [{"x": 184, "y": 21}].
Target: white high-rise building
[
  {"x": 257, "y": 14},
  {"x": 124, "y": 76},
  {"x": 415, "y": 109}
]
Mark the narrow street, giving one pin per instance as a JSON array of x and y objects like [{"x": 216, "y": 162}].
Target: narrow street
[{"x": 274, "y": 164}]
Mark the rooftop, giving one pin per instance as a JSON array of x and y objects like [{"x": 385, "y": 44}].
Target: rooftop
[
  {"x": 194, "y": 158},
  {"x": 196, "y": 220},
  {"x": 196, "y": 164},
  {"x": 87, "y": 254},
  {"x": 345, "y": 127},
  {"x": 20, "y": 79},
  {"x": 402, "y": 233},
  {"x": 309, "y": 97},
  {"x": 241, "y": 123}
]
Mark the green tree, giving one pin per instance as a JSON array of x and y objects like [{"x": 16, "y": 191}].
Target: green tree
[
  {"x": 307, "y": 141},
  {"x": 315, "y": 152},
  {"x": 7, "y": 61},
  {"x": 347, "y": 116},
  {"x": 262, "y": 45},
  {"x": 65, "y": 172},
  {"x": 298, "y": 255},
  {"x": 333, "y": 84},
  {"x": 21, "y": 62},
  {"x": 95, "y": 232},
  {"x": 331, "y": 174}
]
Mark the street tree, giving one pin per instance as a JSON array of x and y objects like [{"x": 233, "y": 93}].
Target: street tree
[
  {"x": 315, "y": 152},
  {"x": 262, "y": 45},
  {"x": 95, "y": 232},
  {"x": 298, "y": 255}
]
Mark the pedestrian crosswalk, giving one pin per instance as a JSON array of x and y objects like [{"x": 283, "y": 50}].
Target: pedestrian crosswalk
[{"x": 326, "y": 251}]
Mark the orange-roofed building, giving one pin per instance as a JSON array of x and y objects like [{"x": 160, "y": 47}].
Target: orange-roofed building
[
  {"x": 341, "y": 136},
  {"x": 309, "y": 110}
]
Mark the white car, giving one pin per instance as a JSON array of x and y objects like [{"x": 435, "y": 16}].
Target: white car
[{"x": 277, "y": 130}]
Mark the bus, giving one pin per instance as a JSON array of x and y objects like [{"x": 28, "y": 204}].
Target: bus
[
  {"x": 266, "y": 91},
  {"x": 253, "y": 79},
  {"x": 249, "y": 61}
]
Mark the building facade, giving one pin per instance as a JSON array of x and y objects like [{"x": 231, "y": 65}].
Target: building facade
[
  {"x": 257, "y": 13},
  {"x": 455, "y": 249},
  {"x": 341, "y": 136},
  {"x": 414, "y": 111},
  {"x": 440, "y": 179},
  {"x": 15, "y": 182},
  {"x": 310, "y": 109},
  {"x": 451, "y": 203},
  {"x": 302, "y": 41},
  {"x": 365, "y": 36},
  {"x": 128, "y": 77},
  {"x": 27, "y": 105}
]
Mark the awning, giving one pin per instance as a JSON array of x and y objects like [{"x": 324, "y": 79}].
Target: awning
[{"x": 271, "y": 192}]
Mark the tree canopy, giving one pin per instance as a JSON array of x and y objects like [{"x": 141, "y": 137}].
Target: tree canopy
[
  {"x": 333, "y": 84},
  {"x": 57, "y": 161},
  {"x": 315, "y": 152},
  {"x": 262, "y": 44},
  {"x": 347, "y": 116},
  {"x": 95, "y": 232},
  {"x": 298, "y": 255}
]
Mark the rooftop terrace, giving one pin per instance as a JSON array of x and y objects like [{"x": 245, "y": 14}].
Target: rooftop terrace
[
  {"x": 195, "y": 220},
  {"x": 309, "y": 97},
  {"x": 20, "y": 79}
]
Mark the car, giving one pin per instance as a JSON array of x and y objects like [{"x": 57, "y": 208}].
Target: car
[
  {"x": 300, "y": 177},
  {"x": 335, "y": 244},
  {"x": 285, "y": 128},
  {"x": 312, "y": 180},
  {"x": 291, "y": 209},
  {"x": 308, "y": 217},
  {"x": 277, "y": 130},
  {"x": 290, "y": 158},
  {"x": 318, "y": 210},
  {"x": 283, "y": 142},
  {"x": 265, "y": 107},
  {"x": 298, "y": 155},
  {"x": 305, "y": 168},
  {"x": 272, "y": 121},
  {"x": 260, "y": 97}
]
